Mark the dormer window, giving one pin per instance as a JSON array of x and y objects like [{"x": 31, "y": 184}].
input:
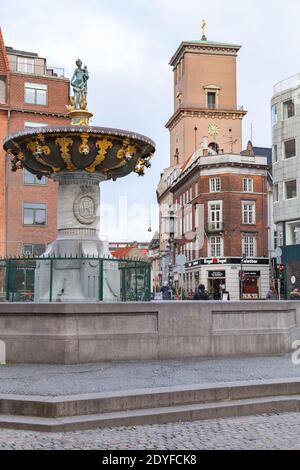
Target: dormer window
[
  {"x": 212, "y": 96},
  {"x": 25, "y": 65}
]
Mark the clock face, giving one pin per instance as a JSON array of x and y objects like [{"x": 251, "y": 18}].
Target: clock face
[{"x": 213, "y": 129}]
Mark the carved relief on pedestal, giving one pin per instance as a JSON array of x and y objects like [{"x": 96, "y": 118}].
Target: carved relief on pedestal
[{"x": 85, "y": 208}]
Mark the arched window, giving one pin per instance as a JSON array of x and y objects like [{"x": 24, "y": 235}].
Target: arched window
[{"x": 214, "y": 146}]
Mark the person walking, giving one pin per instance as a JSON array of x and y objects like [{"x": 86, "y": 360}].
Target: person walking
[
  {"x": 272, "y": 294},
  {"x": 201, "y": 293}
]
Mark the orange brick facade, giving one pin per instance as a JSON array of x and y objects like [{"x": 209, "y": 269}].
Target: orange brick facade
[
  {"x": 232, "y": 197},
  {"x": 14, "y": 113}
]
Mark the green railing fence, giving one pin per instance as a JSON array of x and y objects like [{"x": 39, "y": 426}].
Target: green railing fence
[{"x": 112, "y": 279}]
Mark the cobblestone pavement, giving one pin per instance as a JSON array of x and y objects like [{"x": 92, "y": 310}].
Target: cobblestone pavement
[
  {"x": 255, "y": 432},
  {"x": 56, "y": 380}
]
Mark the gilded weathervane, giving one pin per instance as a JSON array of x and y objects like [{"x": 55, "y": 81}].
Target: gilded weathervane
[{"x": 203, "y": 26}]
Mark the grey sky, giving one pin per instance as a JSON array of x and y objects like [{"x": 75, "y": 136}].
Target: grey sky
[{"x": 127, "y": 45}]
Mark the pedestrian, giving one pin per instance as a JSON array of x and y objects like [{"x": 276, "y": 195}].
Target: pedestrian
[
  {"x": 295, "y": 294},
  {"x": 166, "y": 291},
  {"x": 272, "y": 294},
  {"x": 201, "y": 293}
]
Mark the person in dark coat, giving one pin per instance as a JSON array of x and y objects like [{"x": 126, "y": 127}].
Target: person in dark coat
[{"x": 201, "y": 293}]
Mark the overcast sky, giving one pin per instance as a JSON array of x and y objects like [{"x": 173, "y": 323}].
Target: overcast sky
[{"x": 127, "y": 45}]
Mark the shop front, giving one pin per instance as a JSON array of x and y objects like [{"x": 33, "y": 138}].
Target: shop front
[
  {"x": 216, "y": 284},
  {"x": 250, "y": 285}
]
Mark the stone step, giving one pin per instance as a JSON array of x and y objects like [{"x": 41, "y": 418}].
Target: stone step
[
  {"x": 161, "y": 415},
  {"x": 77, "y": 405}
]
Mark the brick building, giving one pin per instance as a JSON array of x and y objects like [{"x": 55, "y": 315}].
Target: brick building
[
  {"x": 215, "y": 192},
  {"x": 32, "y": 94}
]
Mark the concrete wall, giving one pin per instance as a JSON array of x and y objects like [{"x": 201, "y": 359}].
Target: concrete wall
[{"x": 85, "y": 333}]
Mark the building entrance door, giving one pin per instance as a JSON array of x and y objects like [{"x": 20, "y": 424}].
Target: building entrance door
[{"x": 216, "y": 284}]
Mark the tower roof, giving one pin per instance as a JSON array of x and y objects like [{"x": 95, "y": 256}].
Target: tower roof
[
  {"x": 206, "y": 47},
  {"x": 4, "y": 64}
]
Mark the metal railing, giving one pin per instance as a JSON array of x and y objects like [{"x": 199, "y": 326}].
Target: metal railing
[
  {"x": 288, "y": 83},
  {"x": 103, "y": 279},
  {"x": 36, "y": 69},
  {"x": 205, "y": 106},
  {"x": 215, "y": 227}
]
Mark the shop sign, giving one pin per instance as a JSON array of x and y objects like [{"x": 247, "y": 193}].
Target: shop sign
[{"x": 216, "y": 274}]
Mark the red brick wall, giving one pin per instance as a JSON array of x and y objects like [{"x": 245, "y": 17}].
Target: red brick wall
[
  {"x": 58, "y": 93},
  {"x": 232, "y": 196},
  {"x": 15, "y": 235}
]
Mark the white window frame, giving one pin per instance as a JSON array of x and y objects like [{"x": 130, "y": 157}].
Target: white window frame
[
  {"x": 33, "y": 125},
  {"x": 246, "y": 220},
  {"x": 25, "y": 63},
  {"x": 212, "y": 250},
  {"x": 218, "y": 223},
  {"x": 248, "y": 185},
  {"x": 34, "y": 207},
  {"x": 215, "y": 185},
  {"x": 249, "y": 248},
  {"x": 36, "y": 87}
]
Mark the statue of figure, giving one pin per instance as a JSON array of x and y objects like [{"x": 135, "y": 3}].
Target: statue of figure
[{"x": 79, "y": 84}]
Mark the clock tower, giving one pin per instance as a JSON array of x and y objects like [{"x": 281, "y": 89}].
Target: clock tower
[{"x": 205, "y": 99}]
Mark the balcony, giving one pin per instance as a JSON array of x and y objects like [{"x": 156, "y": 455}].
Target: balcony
[
  {"x": 214, "y": 227},
  {"x": 287, "y": 84},
  {"x": 211, "y": 107},
  {"x": 39, "y": 69}
]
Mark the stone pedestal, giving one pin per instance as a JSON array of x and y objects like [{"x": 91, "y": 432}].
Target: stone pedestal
[{"x": 78, "y": 221}]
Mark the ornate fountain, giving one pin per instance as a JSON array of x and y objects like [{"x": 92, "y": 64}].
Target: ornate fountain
[{"x": 79, "y": 157}]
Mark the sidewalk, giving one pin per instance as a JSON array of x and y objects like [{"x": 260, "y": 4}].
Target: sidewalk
[{"x": 58, "y": 380}]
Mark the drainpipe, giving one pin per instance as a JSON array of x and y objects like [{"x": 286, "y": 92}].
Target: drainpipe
[
  {"x": 6, "y": 192},
  {"x": 264, "y": 218}
]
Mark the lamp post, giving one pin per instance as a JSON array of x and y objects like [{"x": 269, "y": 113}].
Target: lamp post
[{"x": 242, "y": 276}]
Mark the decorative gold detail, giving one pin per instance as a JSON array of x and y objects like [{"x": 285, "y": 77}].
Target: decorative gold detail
[
  {"x": 127, "y": 150},
  {"x": 213, "y": 129},
  {"x": 84, "y": 148},
  {"x": 203, "y": 27},
  {"x": 103, "y": 145},
  {"x": 70, "y": 107},
  {"x": 64, "y": 144},
  {"x": 39, "y": 151}
]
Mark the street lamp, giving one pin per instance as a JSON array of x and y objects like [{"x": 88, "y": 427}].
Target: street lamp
[{"x": 242, "y": 276}]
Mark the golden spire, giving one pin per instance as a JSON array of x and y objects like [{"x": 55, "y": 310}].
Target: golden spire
[{"x": 203, "y": 26}]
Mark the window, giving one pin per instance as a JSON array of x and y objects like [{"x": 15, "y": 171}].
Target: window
[
  {"x": 25, "y": 65},
  {"x": 274, "y": 113},
  {"x": 249, "y": 246},
  {"x": 31, "y": 125},
  {"x": 289, "y": 148},
  {"x": 34, "y": 250},
  {"x": 191, "y": 193},
  {"x": 288, "y": 109},
  {"x": 211, "y": 100},
  {"x": 215, "y": 215},
  {"x": 275, "y": 154},
  {"x": 247, "y": 185},
  {"x": 36, "y": 93},
  {"x": 215, "y": 247},
  {"x": 290, "y": 189},
  {"x": 29, "y": 178},
  {"x": 34, "y": 214},
  {"x": 215, "y": 185},
  {"x": 276, "y": 192},
  {"x": 2, "y": 90},
  {"x": 248, "y": 212}
]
